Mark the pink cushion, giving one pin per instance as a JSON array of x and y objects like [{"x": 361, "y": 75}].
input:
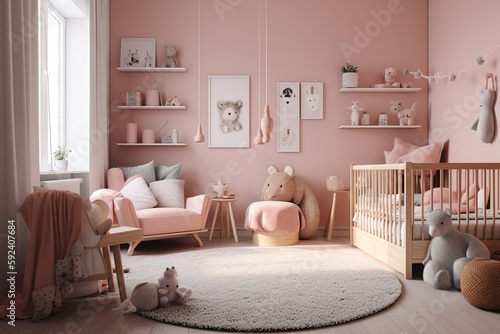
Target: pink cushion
[
  {"x": 407, "y": 152},
  {"x": 441, "y": 199},
  {"x": 470, "y": 197},
  {"x": 168, "y": 220}
]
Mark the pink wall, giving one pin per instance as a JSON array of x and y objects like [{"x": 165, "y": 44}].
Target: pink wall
[
  {"x": 458, "y": 35},
  {"x": 301, "y": 48}
]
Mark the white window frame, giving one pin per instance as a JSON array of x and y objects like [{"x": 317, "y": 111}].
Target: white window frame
[{"x": 46, "y": 147}]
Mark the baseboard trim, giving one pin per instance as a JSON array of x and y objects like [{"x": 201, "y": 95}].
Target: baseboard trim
[{"x": 338, "y": 232}]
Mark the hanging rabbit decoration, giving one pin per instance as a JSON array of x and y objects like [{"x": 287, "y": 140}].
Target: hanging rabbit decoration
[{"x": 485, "y": 124}]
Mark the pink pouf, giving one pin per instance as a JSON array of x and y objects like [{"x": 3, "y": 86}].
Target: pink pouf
[{"x": 274, "y": 223}]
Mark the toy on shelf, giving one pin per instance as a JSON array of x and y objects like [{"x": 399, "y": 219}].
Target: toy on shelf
[
  {"x": 390, "y": 80},
  {"x": 170, "y": 56},
  {"x": 173, "y": 101},
  {"x": 406, "y": 116},
  {"x": 355, "y": 112}
]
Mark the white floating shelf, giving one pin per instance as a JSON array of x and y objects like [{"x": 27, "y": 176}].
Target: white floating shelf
[
  {"x": 380, "y": 126},
  {"x": 152, "y": 69},
  {"x": 379, "y": 90},
  {"x": 152, "y": 107},
  {"x": 150, "y": 144}
]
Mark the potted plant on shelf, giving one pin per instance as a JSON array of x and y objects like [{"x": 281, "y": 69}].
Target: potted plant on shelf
[
  {"x": 349, "y": 76},
  {"x": 60, "y": 158}
]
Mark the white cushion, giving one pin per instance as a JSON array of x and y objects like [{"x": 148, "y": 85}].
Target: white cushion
[
  {"x": 169, "y": 193},
  {"x": 138, "y": 192}
]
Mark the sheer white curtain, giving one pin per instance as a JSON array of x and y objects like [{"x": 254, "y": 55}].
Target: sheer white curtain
[
  {"x": 19, "y": 118},
  {"x": 99, "y": 79}
]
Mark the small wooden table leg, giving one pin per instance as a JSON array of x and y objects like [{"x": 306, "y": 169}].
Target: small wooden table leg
[
  {"x": 233, "y": 225},
  {"x": 331, "y": 218},
  {"x": 214, "y": 220}
]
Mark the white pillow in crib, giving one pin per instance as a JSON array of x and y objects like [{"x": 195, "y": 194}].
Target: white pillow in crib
[{"x": 481, "y": 200}]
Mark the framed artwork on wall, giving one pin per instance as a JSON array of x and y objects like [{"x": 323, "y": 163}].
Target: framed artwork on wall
[
  {"x": 229, "y": 111},
  {"x": 138, "y": 52},
  {"x": 311, "y": 97},
  {"x": 288, "y": 120}
]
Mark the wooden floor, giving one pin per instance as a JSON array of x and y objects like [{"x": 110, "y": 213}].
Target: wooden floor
[{"x": 420, "y": 309}]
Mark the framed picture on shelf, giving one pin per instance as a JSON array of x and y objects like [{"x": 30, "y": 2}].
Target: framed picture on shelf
[
  {"x": 138, "y": 52},
  {"x": 311, "y": 98},
  {"x": 229, "y": 111},
  {"x": 288, "y": 120}
]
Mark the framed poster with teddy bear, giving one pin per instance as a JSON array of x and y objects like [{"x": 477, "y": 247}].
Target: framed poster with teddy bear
[{"x": 229, "y": 111}]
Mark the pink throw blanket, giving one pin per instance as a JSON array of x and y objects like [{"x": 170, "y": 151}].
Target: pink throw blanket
[
  {"x": 54, "y": 221},
  {"x": 274, "y": 216}
]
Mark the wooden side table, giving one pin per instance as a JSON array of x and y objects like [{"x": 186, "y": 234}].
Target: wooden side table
[
  {"x": 116, "y": 237},
  {"x": 331, "y": 216},
  {"x": 226, "y": 211}
]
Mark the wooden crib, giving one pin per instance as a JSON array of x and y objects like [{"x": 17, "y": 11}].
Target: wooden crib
[{"x": 388, "y": 205}]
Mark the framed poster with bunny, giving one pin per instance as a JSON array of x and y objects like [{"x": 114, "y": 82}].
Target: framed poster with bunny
[{"x": 311, "y": 98}]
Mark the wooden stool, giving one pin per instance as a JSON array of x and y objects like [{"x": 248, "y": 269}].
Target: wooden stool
[
  {"x": 331, "y": 216},
  {"x": 227, "y": 212}
]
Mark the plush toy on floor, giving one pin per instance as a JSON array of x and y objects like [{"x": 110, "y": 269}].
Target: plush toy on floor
[
  {"x": 147, "y": 296},
  {"x": 449, "y": 251},
  {"x": 285, "y": 186},
  {"x": 169, "y": 291},
  {"x": 485, "y": 124}
]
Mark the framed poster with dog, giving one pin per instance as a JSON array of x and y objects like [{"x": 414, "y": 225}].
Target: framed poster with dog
[
  {"x": 138, "y": 52},
  {"x": 311, "y": 98},
  {"x": 288, "y": 123},
  {"x": 229, "y": 111}
]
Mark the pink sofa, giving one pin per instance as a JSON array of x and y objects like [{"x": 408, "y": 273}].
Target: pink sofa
[{"x": 156, "y": 222}]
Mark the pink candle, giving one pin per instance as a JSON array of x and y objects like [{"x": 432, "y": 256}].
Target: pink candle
[{"x": 152, "y": 98}]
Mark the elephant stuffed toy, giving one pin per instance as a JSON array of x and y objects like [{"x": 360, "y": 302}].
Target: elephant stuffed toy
[
  {"x": 285, "y": 186},
  {"x": 449, "y": 251}
]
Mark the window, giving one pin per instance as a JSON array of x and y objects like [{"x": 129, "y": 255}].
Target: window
[{"x": 52, "y": 84}]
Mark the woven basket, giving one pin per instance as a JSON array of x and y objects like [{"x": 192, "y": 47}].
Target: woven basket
[{"x": 480, "y": 284}]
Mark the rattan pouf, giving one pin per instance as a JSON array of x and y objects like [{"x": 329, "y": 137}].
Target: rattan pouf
[{"x": 480, "y": 283}]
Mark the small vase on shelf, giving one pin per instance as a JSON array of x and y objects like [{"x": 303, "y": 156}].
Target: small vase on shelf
[{"x": 175, "y": 136}]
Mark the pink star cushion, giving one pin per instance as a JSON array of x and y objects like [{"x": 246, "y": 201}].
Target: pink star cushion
[{"x": 403, "y": 152}]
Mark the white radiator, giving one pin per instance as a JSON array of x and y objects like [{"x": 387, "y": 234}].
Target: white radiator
[{"x": 66, "y": 184}]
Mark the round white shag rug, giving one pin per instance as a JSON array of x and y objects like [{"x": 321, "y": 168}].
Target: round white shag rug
[{"x": 251, "y": 289}]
